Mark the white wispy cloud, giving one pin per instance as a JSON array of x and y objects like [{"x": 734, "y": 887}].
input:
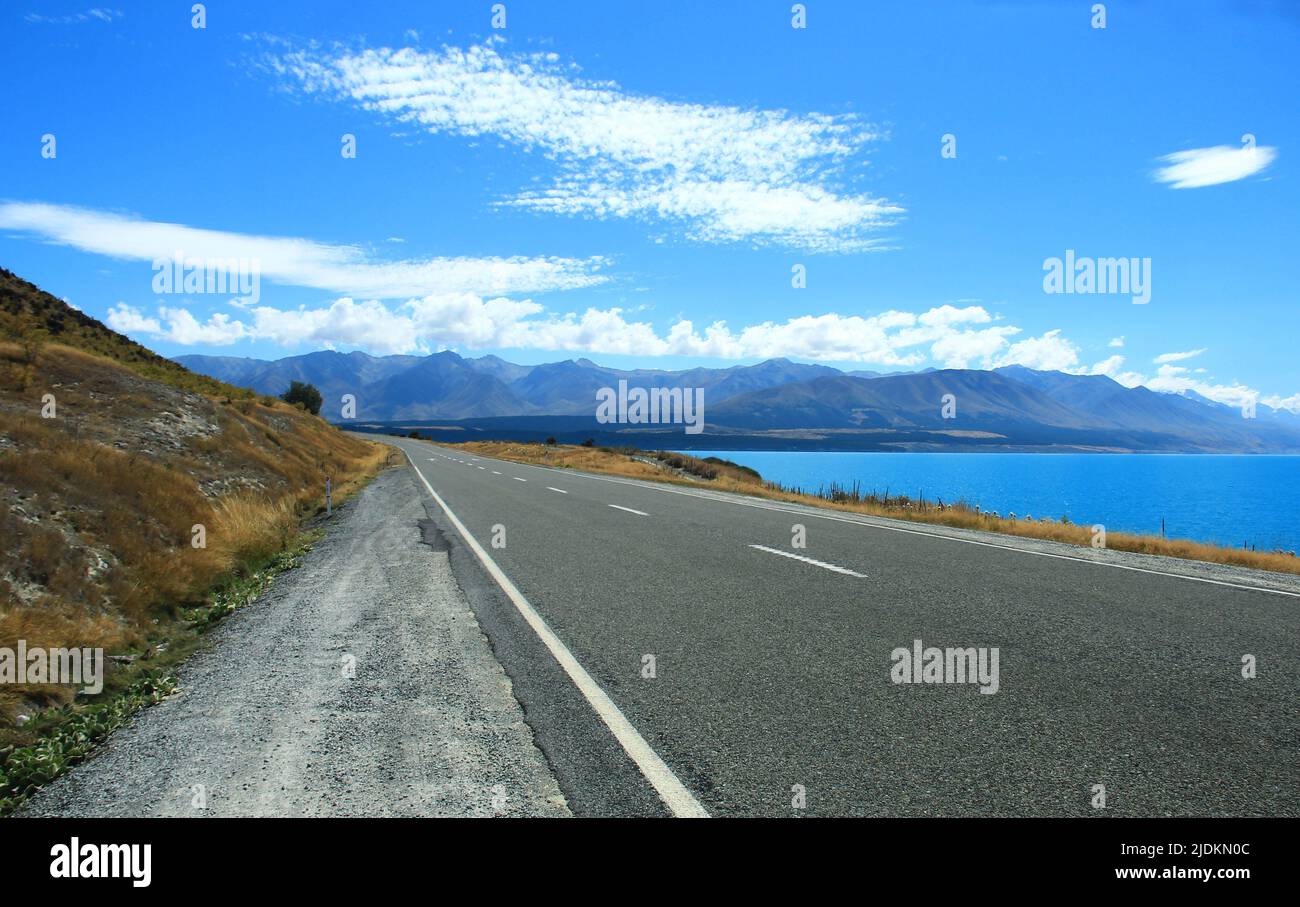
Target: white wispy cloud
[
  {"x": 177, "y": 325},
  {"x": 1177, "y": 357},
  {"x": 1052, "y": 351},
  {"x": 1291, "y": 404},
  {"x": 470, "y": 321},
  {"x": 461, "y": 302},
  {"x": 723, "y": 173},
  {"x": 1111, "y": 366},
  {"x": 95, "y": 14},
  {"x": 293, "y": 261},
  {"x": 961, "y": 349},
  {"x": 948, "y": 336},
  {"x": 1198, "y": 167},
  {"x": 1049, "y": 352},
  {"x": 1176, "y": 379},
  {"x": 1116, "y": 342}
]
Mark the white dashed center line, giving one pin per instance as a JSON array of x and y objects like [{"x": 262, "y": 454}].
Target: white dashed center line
[
  {"x": 553, "y": 488},
  {"x": 630, "y": 510},
  {"x": 808, "y": 560},
  {"x": 517, "y": 479}
]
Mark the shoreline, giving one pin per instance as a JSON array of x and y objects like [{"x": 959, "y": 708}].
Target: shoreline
[{"x": 725, "y": 476}]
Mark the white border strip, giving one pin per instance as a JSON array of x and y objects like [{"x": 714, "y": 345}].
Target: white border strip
[{"x": 676, "y": 797}]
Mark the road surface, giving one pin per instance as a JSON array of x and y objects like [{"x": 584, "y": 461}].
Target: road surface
[{"x": 771, "y": 690}]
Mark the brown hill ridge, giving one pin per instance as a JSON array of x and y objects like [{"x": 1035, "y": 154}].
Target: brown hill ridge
[{"x": 110, "y": 455}]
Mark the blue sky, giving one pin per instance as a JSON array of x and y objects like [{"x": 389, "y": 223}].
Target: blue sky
[{"x": 635, "y": 186}]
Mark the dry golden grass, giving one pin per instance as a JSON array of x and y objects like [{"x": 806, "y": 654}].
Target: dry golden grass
[
  {"x": 97, "y": 540},
  {"x": 248, "y": 527},
  {"x": 98, "y": 578},
  {"x": 739, "y": 481},
  {"x": 97, "y": 506},
  {"x": 32, "y": 319}
]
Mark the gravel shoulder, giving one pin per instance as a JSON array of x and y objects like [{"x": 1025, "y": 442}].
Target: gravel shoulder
[{"x": 268, "y": 722}]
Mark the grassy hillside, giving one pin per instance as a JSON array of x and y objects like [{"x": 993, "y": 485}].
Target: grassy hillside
[
  {"x": 99, "y": 503},
  {"x": 31, "y": 317}
]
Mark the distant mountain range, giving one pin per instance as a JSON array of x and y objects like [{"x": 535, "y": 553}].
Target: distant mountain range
[
  {"x": 814, "y": 405},
  {"x": 448, "y": 386}
]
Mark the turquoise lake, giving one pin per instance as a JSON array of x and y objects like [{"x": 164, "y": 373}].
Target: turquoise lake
[{"x": 1229, "y": 500}]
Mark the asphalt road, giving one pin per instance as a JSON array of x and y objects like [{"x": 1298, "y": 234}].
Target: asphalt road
[{"x": 772, "y": 675}]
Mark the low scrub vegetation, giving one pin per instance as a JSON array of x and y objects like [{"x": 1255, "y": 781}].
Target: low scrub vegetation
[
  {"x": 138, "y": 503},
  {"x": 24, "y": 770},
  {"x": 303, "y": 395}
]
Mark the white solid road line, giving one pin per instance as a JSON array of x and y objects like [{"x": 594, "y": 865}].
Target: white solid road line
[
  {"x": 808, "y": 560},
  {"x": 553, "y": 488},
  {"x": 680, "y": 801},
  {"x": 629, "y": 510}
]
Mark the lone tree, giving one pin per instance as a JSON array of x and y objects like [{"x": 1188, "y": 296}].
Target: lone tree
[{"x": 304, "y": 395}]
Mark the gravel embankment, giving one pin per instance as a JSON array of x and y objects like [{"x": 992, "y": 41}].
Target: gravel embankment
[{"x": 268, "y": 723}]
